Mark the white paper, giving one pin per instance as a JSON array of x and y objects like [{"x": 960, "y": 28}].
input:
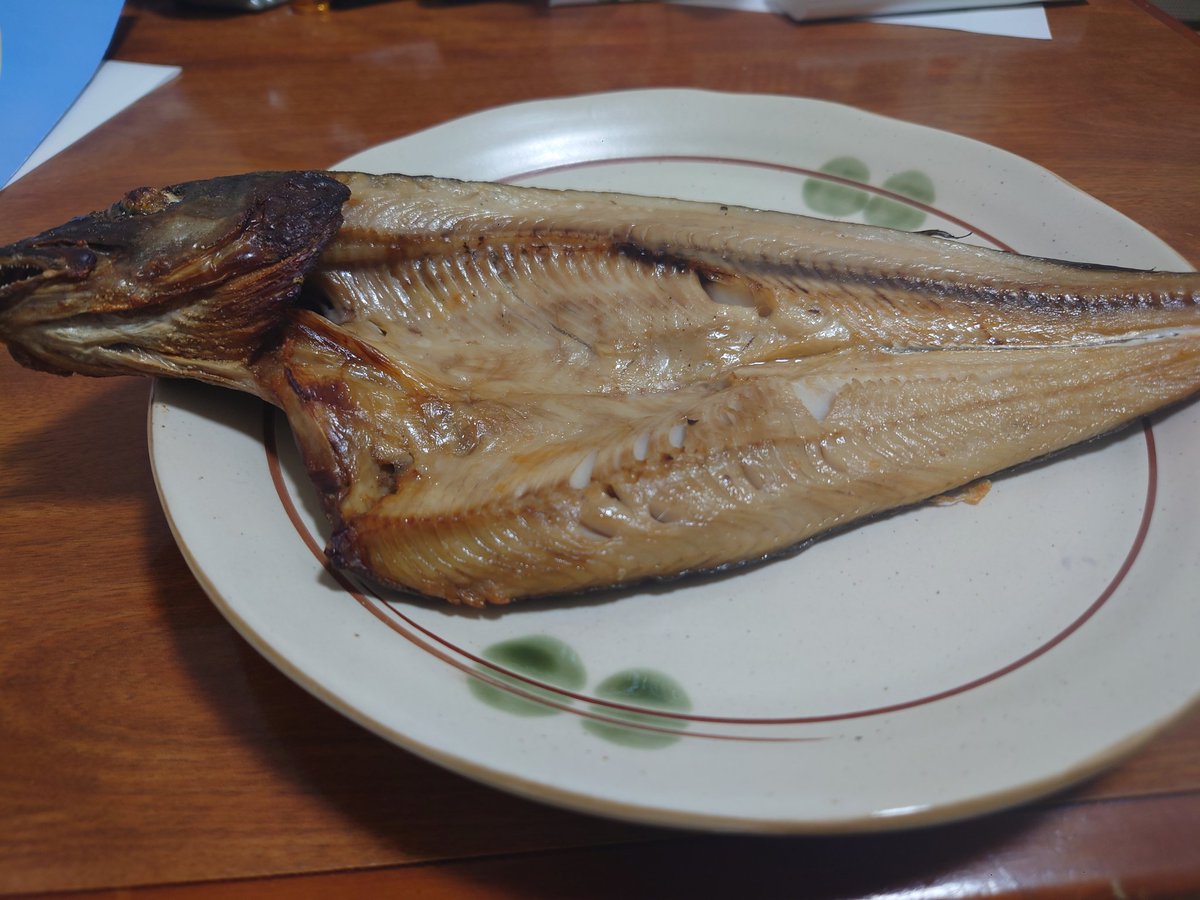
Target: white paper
[
  {"x": 1012, "y": 21},
  {"x": 1026, "y": 21},
  {"x": 115, "y": 86}
]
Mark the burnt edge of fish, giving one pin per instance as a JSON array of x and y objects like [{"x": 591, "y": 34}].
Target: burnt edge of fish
[{"x": 185, "y": 280}]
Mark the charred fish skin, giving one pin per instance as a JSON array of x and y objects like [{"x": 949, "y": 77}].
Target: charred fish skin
[
  {"x": 179, "y": 281},
  {"x": 512, "y": 392}
]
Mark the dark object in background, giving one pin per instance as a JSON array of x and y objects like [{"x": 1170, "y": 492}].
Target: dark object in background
[{"x": 247, "y": 5}]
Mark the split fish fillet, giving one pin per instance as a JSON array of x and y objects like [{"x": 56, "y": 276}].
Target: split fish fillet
[{"x": 505, "y": 392}]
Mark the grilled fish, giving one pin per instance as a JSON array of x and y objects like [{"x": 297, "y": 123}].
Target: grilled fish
[{"x": 505, "y": 392}]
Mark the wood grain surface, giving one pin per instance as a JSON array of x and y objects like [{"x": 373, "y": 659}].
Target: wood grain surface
[{"x": 146, "y": 750}]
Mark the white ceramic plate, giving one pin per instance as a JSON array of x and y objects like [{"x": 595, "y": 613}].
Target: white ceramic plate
[{"x": 941, "y": 663}]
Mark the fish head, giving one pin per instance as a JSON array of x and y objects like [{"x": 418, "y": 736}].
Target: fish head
[{"x": 139, "y": 286}]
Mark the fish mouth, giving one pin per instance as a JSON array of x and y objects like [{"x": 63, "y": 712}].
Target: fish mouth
[{"x": 25, "y": 269}]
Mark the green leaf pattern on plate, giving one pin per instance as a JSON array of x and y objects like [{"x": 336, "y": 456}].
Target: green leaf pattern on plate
[
  {"x": 832, "y": 198},
  {"x": 551, "y": 661},
  {"x": 645, "y": 688},
  {"x": 894, "y": 214},
  {"x": 540, "y": 657},
  {"x": 839, "y": 199}
]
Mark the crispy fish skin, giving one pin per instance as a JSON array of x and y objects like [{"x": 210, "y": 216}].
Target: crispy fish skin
[{"x": 508, "y": 392}]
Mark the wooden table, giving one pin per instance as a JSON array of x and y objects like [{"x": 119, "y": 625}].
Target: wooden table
[{"x": 143, "y": 744}]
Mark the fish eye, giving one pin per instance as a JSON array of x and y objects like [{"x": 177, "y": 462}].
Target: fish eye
[{"x": 146, "y": 201}]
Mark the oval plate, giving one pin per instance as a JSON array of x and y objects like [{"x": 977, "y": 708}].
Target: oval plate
[{"x": 940, "y": 663}]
